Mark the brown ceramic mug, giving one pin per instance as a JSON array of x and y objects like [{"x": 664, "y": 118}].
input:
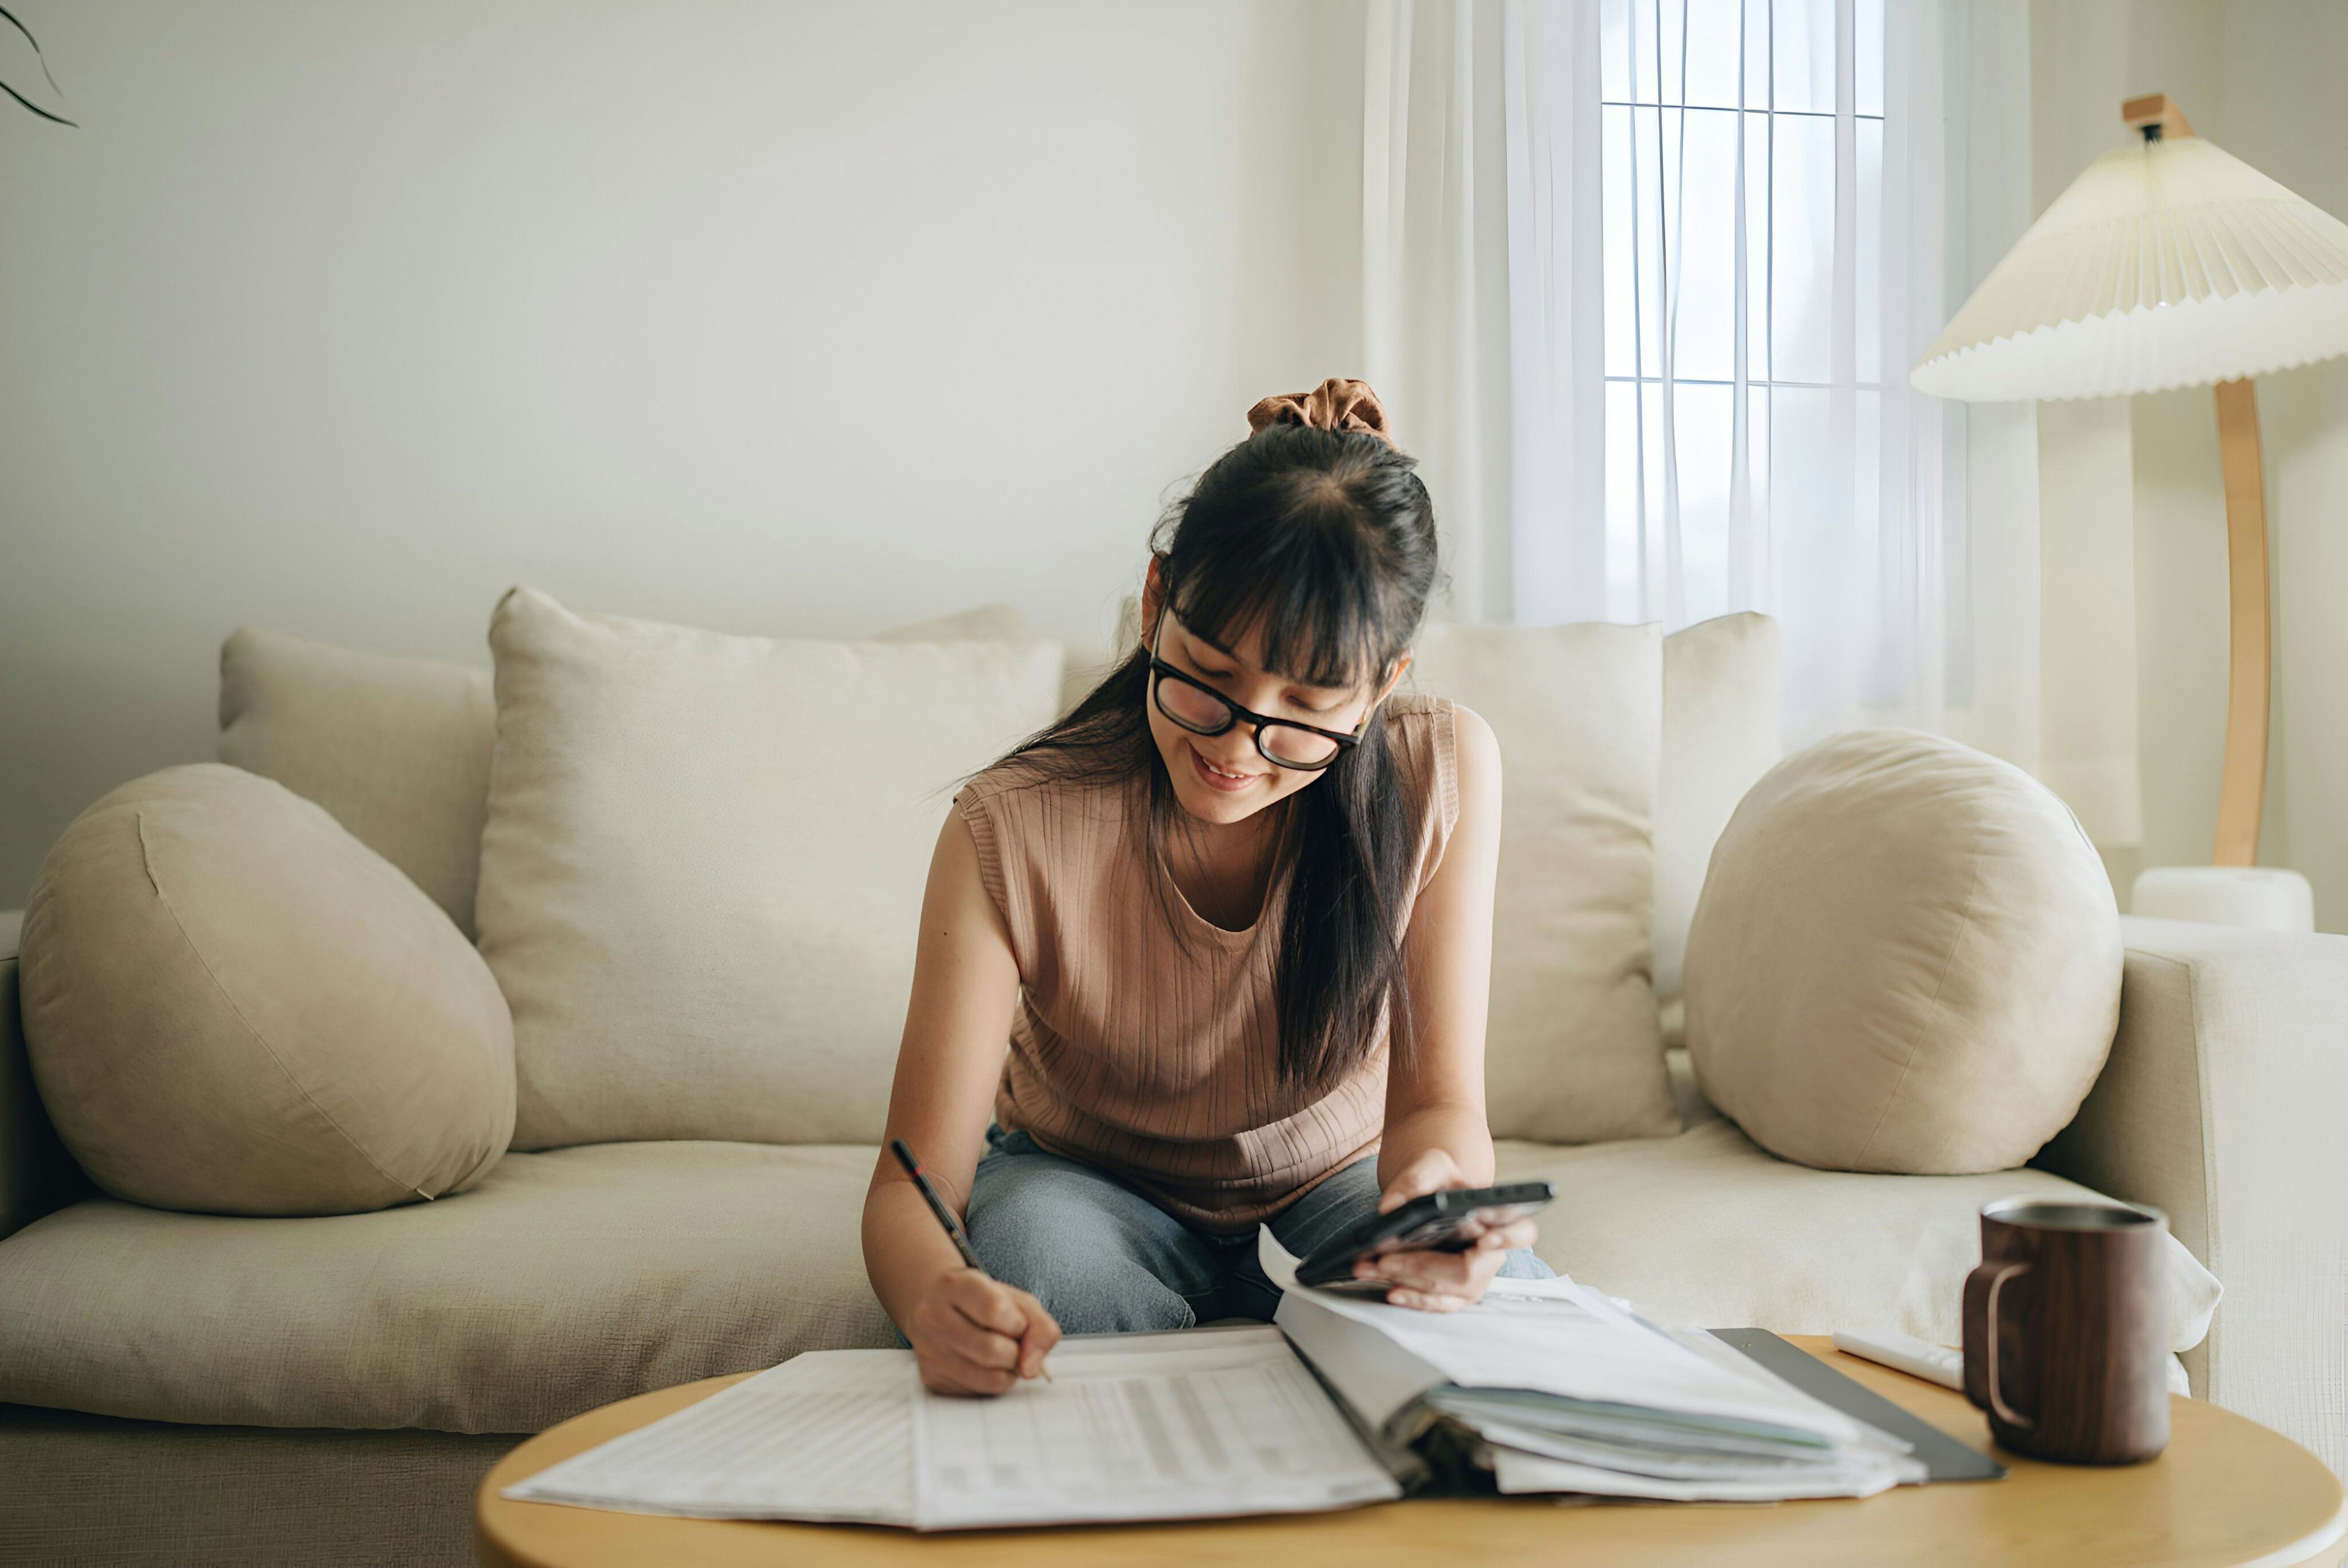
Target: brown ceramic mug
[{"x": 2066, "y": 1331}]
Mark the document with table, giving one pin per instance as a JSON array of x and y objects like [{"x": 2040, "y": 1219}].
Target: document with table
[
  {"x": 1151, "y": 1426},
  {"x": 1141, "y": 1426},
  {"x": 1542, "y": 1386}
]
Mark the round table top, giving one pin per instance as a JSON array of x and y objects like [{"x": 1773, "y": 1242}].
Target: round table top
[{"x": 2226, "y": 1493}]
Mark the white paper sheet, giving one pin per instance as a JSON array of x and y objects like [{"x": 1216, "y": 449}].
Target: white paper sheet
[
  {"x": 825, "y": 1436},
  {"x": 1199, "y": 1424},
  {"x": 1518, "y": 1471},
  {"x": 1572, "y": 1391},
  {"x": 1553, "y": 1335},
  {"x": 1157, "y": 1426}
]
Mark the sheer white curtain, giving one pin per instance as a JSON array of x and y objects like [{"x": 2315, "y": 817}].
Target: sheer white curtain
[
  {"x": 1726, "y": 229},
  {"x": 1436, "y": 219}
]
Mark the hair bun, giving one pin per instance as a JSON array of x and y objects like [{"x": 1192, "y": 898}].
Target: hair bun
[{"x": 1335, "y": 404}]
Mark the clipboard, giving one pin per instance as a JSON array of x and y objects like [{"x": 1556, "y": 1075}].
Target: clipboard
[{"x": 1945, "y": 1459}]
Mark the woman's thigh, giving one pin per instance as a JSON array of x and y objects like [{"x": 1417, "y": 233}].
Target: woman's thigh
[
  {"x": 1102, "y": 1259},
  {"x": 1340, "y": 1201}
]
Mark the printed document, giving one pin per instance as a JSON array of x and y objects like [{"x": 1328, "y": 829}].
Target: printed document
[
  {"x": 825, "y": 1435},
  {"x": 1561, "y": 1389},
  {"x": 1144, "y": 1426},
  {"x": 1548, "y": 1337}
]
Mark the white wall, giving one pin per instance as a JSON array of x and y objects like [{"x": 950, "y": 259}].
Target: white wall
[{"x": 339, "y": 317}]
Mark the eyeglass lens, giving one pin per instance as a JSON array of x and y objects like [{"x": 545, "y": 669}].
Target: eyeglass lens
[{"x": 1208, "y": 714}]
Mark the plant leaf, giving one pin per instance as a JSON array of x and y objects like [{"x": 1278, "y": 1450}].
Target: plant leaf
[
  {"x": 9, "y": 17},
  {"x": 36, "y": 109}
]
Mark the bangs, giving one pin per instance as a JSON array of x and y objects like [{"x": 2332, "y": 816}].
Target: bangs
[{"x": 1313, "y": 593}]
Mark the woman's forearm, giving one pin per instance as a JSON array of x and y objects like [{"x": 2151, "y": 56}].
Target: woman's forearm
[
  {"x": 1457, "y": 1129},
  {"x": 905, "y": 1248}
]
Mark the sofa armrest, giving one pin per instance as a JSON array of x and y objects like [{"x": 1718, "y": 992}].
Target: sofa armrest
[
  {"x": 2222, "y": 1104},
  {"x": 36, "y": 1174}
]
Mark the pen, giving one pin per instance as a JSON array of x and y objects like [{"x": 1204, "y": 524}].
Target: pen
[
  {"x": 954, "y": 1231},
  {"x": 929, "y": 1195}
]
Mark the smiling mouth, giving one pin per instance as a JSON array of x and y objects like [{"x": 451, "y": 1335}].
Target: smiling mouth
[{"x": 1217, "y": 777}]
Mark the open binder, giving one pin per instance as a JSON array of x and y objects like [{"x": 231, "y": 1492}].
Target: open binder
[
  {"x": 1547, "y": 1385},
  {"x": 1543, "y": 1386}
]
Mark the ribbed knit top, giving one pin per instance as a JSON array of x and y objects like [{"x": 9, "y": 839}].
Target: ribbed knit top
[{"x": 1151, "y": 1052}]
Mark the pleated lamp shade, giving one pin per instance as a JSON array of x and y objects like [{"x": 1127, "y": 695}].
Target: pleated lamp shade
[{"x": 2171, "y": 263}]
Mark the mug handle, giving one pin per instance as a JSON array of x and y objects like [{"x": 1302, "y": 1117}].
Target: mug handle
[{"x": 1998, "y": 1273}]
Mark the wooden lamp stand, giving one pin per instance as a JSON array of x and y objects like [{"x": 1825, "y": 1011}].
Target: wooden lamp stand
[
  {"x": 2233, "y": 890},
  {"x": 2250, "y": 675},
  {"x": 2250, "y": 660}
]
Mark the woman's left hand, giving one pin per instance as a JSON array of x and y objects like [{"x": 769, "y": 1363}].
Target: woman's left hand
[{"x": 1440, "y": 1281}]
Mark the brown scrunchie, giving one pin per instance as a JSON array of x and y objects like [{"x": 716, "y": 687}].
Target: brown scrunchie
[{"x": 1335, "y": 404}]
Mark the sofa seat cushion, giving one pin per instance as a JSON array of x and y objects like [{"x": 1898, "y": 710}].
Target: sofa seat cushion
[
  {"x": 564, "y": 1281},
  {"x": 1708, "y": 1230},
  {"x": 572, "y": 1278}
]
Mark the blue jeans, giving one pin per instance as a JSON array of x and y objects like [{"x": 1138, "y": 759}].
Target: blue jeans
[{"x": 1104, "y": 1260}]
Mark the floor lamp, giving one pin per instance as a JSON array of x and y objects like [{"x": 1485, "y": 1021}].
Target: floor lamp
[{"x": 2170, "y": 264}]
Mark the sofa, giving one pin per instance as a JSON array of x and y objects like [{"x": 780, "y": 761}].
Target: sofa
[{"x": 200, "y": 1387}]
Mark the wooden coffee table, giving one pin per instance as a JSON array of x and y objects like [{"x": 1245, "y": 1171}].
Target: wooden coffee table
[{"x": 2227, "y": 1493}]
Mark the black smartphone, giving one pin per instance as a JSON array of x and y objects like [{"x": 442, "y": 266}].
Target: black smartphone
[{"x": 1436, "y": 1223}]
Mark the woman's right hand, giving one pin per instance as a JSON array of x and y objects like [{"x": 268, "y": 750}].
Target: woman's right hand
[{"x": 975, "y": 1335}]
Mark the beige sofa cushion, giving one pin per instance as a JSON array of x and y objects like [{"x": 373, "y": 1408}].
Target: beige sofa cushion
[
  {"x": 564, "y": 1281},
  {"x": 702, "y": 872},
  {"x": 398, "y": 749},
  {"x": 572, "y": 1278},
  {"x": 1708, "y": 1231},
  {"x": 1720, "y": 736},
  {"x": 232, "y": 1005},
  {"x": 1572, "y": 1052},
  {"x": 1907, "y": 958}
]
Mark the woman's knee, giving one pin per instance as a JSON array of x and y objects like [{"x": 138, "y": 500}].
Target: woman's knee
[
  {"x": 1081, "y": 1246},
  {"x": 1085, "y": 1293}
]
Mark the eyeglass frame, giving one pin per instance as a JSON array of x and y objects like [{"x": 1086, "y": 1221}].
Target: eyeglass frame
[{"x": 1159, "y": 669}]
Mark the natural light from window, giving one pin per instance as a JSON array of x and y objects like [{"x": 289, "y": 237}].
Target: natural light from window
[{"x": 1742, "y": 407}]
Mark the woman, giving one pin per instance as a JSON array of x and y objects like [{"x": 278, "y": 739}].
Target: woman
[{"x": 1204, "y": 900}]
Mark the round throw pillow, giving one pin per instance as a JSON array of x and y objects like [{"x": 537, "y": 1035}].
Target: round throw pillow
[
  {"x": 232, "y": 1006},
  {"x": 1906, "y": 958}
]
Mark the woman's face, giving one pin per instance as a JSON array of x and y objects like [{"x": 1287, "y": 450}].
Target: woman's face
[{"x": 1225, "y": 778}]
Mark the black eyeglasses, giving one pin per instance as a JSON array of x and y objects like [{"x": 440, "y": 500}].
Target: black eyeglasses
[{"x": 1203, "y": 711}]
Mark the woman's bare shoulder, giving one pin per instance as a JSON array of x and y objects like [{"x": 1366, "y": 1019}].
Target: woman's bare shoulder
[{"x": 1476, "y": 759}]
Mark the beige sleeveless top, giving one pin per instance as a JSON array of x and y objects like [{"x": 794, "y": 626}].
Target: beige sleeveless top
[{"x": 1153, "y": 1054}]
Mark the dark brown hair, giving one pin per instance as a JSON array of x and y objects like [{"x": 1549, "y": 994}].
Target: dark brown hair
[{"x": 1325, "y": 540}]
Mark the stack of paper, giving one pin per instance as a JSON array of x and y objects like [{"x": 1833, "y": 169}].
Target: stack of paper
[
  {"x": 1143, "y": 1426},
  {"x": 1555, "y": 1388}
]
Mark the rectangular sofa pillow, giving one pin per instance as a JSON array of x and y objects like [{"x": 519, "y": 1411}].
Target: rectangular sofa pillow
[
  {"x": 1572, "y": 1053},
  {"x": 702, "y": 866},
  {"x": 397, "y": 750},
  {"x": 1720, "y": 736}
]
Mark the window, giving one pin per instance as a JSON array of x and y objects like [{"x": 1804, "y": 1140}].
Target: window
[{"x": 1742, "y": 225}]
